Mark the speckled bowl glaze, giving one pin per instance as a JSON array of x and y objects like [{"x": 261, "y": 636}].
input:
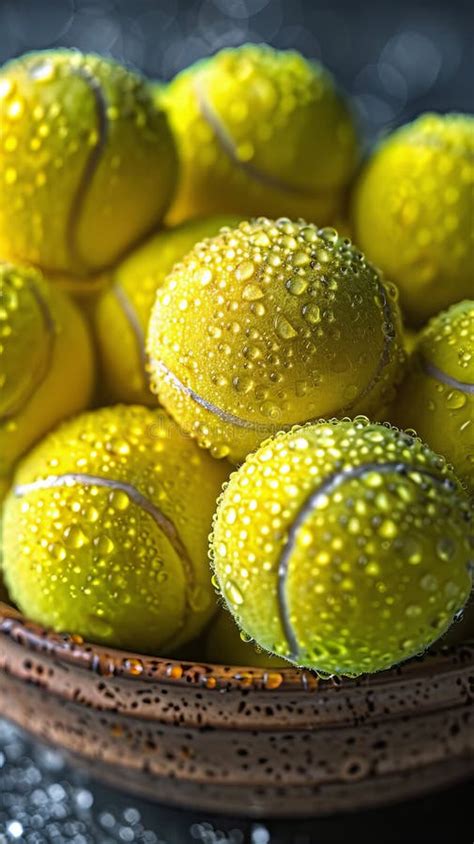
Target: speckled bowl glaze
[{"x": 241, "y": 740}]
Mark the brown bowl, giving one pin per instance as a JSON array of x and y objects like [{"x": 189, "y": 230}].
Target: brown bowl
[{"x": 242, "y": 740}]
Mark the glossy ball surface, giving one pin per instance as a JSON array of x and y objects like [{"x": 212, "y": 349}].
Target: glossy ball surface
[
  {"x": 122, "y": 312},
  {"x": 343, "y": 546},
  {"x": 81, "y": 135},
  {"x": 106, "y": 530},
  {"x": 437, "y": 396},
  {"x": 46, "y": 361},
  {"x": 422, "y": 177},
  {"x": 225, "y": 646},
  {"x": 268, "y": 325},
  {"x": 260, "y": 131}
]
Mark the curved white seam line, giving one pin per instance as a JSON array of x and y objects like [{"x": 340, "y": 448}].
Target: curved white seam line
[
  {"x": 212, "y": 408},
  {"x": 439, "y": 375},
  {"x": 388, "y": 341},
  {"x": 91, "y": 163},
  {"x": 331, "y": 483}
]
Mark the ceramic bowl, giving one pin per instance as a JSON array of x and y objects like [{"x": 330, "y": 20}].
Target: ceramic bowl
[{"x": 241, "y": 740}]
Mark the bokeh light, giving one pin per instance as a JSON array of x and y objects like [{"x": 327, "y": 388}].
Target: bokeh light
[{"x": 394, "y": 59}]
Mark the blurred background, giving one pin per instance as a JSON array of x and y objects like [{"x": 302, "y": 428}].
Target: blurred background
[{"x": 395, "y": 60}]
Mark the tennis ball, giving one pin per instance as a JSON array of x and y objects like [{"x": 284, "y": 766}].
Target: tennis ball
[
  {"x": 413, "y": 210},
  {"x": 106, "y": 530},
  {"x": 343, "y": 546},
  {"x": 121, "y": 314},
  {"x": 225, "y": 646},
  {"x": 267, "y": 325},
  {"x": 87, "y": 161},
  {"x": 437, "y": 396},
  {"x": 260, "y": 131},
  {"x": 46, "y": 361}
]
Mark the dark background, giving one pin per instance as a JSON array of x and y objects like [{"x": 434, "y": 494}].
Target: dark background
[{"x": 395, "y": 59}]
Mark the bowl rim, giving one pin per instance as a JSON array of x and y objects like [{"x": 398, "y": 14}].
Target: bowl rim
[{"x": 114, "y": 662}]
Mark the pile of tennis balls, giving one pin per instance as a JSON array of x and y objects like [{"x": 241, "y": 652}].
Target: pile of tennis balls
[{"x": 199, "y": 367}]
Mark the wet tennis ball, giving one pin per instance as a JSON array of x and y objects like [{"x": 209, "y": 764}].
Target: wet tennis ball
[
  {"x": 121, "y": 313},
  {"x": 81, "y": 135},
  {"x": 260, "y": 131},
  {"x": 413, "y": 209},
  {"x": 225, "y": 646},
  {"x": 46, "y": 361},
  {"x": 343, "y": 546},
  {"x": 437, "y": 396},
  {"x": 267, "y": 325},
  {"x": 106, "y": 530}
]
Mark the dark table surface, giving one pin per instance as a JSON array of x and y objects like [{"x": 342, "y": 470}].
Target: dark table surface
[{"x": 396, "y": 60}]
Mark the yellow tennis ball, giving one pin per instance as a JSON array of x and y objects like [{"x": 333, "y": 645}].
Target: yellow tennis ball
[
  {"x": 106, "y": 530},
  {"x": 225, "y": 646},
  {"x": 271, "y": 324},
  {"x": 437, "y": 396},
  {"x": 413, "y": 209},
  {"x": 343, "y": 546},
  {"x": 260, "y": 131},
  {"x": 46, "y": 361},
  {"x": 87, "y": 161},
  {"x": 121, "y": 314}
]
